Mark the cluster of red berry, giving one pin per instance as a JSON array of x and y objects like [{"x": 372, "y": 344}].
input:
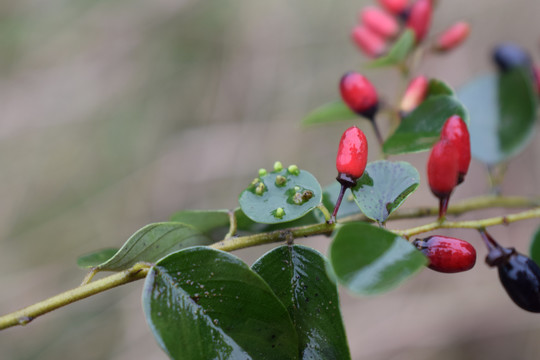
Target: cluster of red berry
[
  {"x": 447, "y": 167},
  {"x": 378, "y": 26},
  {"x": 450, "y": 157}
]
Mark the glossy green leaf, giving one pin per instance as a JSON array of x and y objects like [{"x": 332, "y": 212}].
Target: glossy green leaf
[
  {"x": 330, "y": 112},
  {"x": 370, "y": 260},
  {"x": 503, "y": 109},
  {"x": 202, "y": 303},
  {"x": 295, "y": 194},
  {"x": 535, "y": 247},
  {"x": 95, "y": 258},
  {"x": 384, "y": 187},
  {"x": 348, "y": 206},
  {"x": 153, "y": 242},
  {"x": 212, "y": 223},
  {"x": 398, "y": 52},
  {"x": 420, "y": 129},
  {"x": 297, "y": 275}
]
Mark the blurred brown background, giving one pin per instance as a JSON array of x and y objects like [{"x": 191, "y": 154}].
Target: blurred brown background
[{"x": 114, "y": 114}]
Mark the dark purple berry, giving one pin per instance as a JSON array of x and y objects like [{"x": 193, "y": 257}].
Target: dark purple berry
[
  {"x": 519, "y": 275},
  {"x": 510, "y": 56}
]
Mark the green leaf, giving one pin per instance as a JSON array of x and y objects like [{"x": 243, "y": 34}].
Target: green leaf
[
  {"x": 202, "y": 303},
  {"x": 298, "y": 277},
  {"x": 420, "y": 129},
  {"x": 153, "y": 242},
  {"x": 438, "y": 87},
  {"x": 535, "y": 247},
  {"x": 95, "y": 258},
  {"x": 398, "y": 52},
  {"x": 330, "y": 194},
  {"x": 384, "y": 187},
  {"x": 212, "y": 223},
  {"x": 503, "y": 109},
  {"x": 370, "y": 260},
  {"x": 330, "y": 112},
  {"x": 296, "y": 196}
]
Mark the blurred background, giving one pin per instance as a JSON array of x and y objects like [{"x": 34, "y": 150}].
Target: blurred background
[{"x": 115, "y": 114}]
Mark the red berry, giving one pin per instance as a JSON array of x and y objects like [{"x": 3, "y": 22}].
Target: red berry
[
  {"x": 371, "y": 43},
  {"x": 446, "y": 254},
  {"x": 359, "y": 94},
  {"x": 379, "y": 21},
  {"x": 453, "y": 36},
  {"x": 352, "y": 154},
  {"x": 350, "y": 161},
  {"x": 395, "y": 6},
  {"x": 414, "y": 95},
  {"x": 442, "y": 168},
  {"x": 419, "y": 19},
  {"x": 455, "y": 130}
]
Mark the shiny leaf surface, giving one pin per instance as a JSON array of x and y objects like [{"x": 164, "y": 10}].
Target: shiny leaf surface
[
  {"x": 297, "y": 275},
  {"x": 384, "y": 187},
  {"x": 202, "y": 303},
  {"x": 370, "y": 260}
]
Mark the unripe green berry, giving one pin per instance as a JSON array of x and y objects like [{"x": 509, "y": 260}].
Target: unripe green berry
[
  {"x": 262, "y": 172},
  {"x": 279, "y": 213},
  {"x": 278, "y": 166},
  {"x": 293, "y": 169}
]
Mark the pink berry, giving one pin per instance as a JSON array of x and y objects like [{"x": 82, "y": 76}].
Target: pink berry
[
  {"x": 414, "y": 95},
  {"x": 379, "y": 22},
  {"x": 372, "y": 44},
  {"x": 396, "y": 7},
  {"x": 419, "y": 19},
  {"x": 453, "y": 36}
]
